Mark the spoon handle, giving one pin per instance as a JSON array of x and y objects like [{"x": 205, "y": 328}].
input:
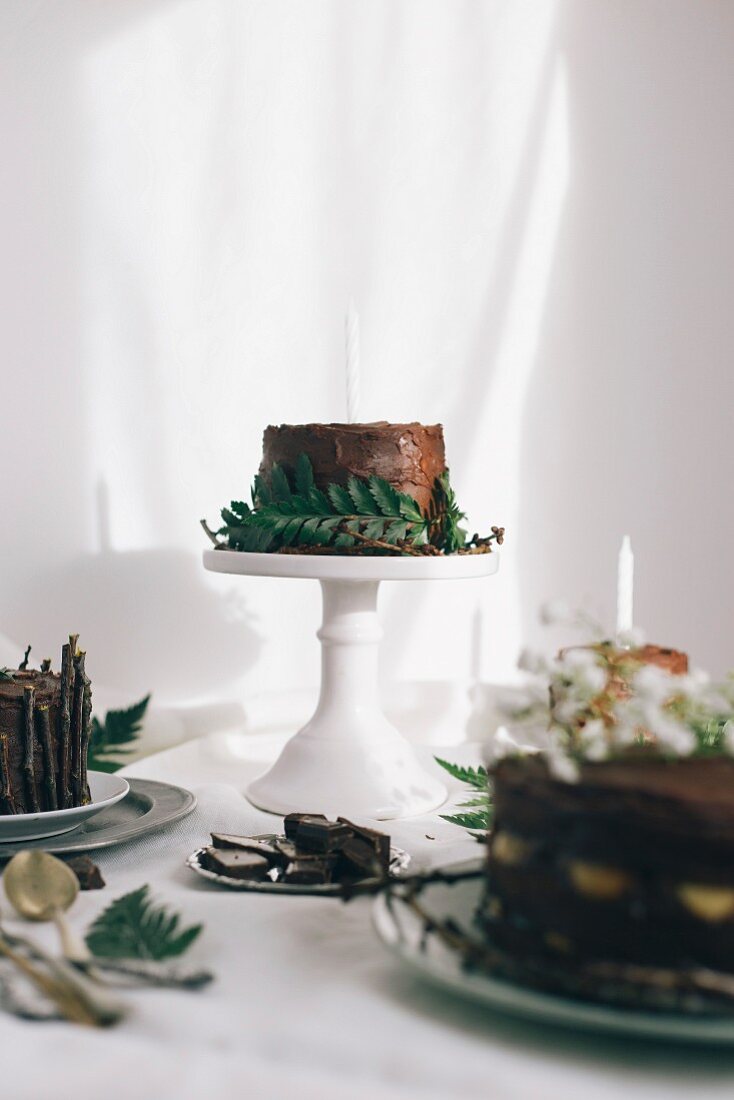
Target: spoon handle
[
  {"x": 64, "y": 999},
  {"x": 72, "y": 945},
  {"x": 102, "y": 1007}
]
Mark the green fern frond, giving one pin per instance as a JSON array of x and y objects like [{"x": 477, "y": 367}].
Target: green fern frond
[
  {"x": 133, "y": 927},
  {"x": 111, "y": 738}
]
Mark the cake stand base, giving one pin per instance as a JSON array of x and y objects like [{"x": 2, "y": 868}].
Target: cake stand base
[{"x": 349, "y": 759}]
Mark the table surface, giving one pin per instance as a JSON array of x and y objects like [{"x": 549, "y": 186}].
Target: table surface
[{"x": 307, "y": 1003}]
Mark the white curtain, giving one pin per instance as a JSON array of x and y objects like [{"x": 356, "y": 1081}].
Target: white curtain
[{"x": 530, "y": 202}]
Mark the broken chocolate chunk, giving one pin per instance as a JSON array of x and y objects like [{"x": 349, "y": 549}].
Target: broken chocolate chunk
[
  {"x": 249, "y": 844},
  {"x": 292, "y": 821},
  {"x": 358, "y": 860},
  {"x": 379, "y": 842},
  {"x": 235, "y": 864},
  {"x": 308, "y": 872},
  {"x": 88, "y": 873},
  {"x": 319, "y": 835}
]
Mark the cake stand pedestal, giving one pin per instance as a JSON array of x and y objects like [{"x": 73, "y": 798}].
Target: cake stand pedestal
[{"x": 349, "y": 759}]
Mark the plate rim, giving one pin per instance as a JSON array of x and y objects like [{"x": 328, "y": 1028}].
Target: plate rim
[
  {"x": 86, "y": 809},
  {"x": 71, "y": 842},
  {"x": 522, "y": 1002}
]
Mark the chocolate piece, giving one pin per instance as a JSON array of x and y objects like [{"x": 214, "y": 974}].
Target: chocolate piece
[
  {"x": 233, "y": 864},
  {"x": 409, "y": 456},
  {"x": 249, "y": 844},
  {"x": 88, "y": 873},
  {"x": 307, "y": 872},
  {"x": 358, "y": 860},
  {"x": 319, "y": 835},
  {"x": 292, "y": 821},
  {"x": 379, "y": 842}
]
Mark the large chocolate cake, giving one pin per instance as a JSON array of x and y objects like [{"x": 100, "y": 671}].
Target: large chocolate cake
[
  {"x": 409, "y": 456},
  {"x": 45, "y": 723},
  {"x": 617, "y": 887}
]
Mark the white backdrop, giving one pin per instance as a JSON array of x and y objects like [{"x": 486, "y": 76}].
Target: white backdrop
[{"x": 531, "y": 204}]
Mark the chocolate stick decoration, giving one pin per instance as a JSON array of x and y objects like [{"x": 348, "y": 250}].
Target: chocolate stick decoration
[
  {"x": 65, "y": 722},
  {"x": 24, "y": 663},
  {"x": 86, "y": 732},
  {"x": 29, "y": 696},
  {"x": 76, "y": 728},
  {"x": 7, "y": 789},
  {"x": 49, "y": 769}
]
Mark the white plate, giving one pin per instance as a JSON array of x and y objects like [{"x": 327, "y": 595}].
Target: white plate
[
  {"x": 105, "y": 789},
  {"x": 402, "y": 932}
]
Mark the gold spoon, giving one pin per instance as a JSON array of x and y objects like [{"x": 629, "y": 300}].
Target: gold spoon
[{"x": 42, "y": 888}]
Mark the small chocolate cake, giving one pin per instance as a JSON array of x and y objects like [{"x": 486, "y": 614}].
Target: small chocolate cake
[
  {"x": 409, "y": 456},
  {"x": 619, "y": 886},
  {"x": 45, "y": 724}
]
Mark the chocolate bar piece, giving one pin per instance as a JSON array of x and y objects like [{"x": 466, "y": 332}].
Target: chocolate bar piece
[
  {"x": 249, "y": 844},
  {"x": 289, "y": 851},
  {"x": 292, "y": 821},
  {"x": 307, "y": 872},
  {"x": 319, "y": 835},
  {"x": 379, "y": 842},
  {"x": 233, "y": 864},
  {"x": 88, "y": 873},
  {"x": 358, "y": 860}
]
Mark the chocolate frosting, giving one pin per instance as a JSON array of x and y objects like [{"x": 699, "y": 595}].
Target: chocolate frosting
[
  {"x": 662, "y": 829},
  {"x": 409, "y": 456}
]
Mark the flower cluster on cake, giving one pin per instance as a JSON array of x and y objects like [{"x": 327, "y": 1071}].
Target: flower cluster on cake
[
  {"x": 351, "y": 489},
  {"x": 610, "y": 870}
]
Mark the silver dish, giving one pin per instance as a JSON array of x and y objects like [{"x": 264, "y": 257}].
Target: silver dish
[
  {"x": 147, "y": 806},
  {"x": 403, "y": 933},
  {"x": 399, "y": 861}
]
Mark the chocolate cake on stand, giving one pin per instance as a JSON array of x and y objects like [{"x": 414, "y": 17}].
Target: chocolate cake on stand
[{"x": 349, "y": 758}]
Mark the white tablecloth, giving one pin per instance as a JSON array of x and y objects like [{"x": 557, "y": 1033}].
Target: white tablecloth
[{"x": 306, "y": 1003}]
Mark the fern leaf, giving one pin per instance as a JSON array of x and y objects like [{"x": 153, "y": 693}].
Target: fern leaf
[
  {"x": 340, "y": 500},
  {"x": 473, "y": 777},
  {"x": 113, "y": 737},
  {"x": 374, "y": 528},
  {"x": 476, "y": 822},
  {"x": 279, "y": 485},
  {"x": 260, "y": 491},
  {"x": 319, "y": 502},
  {"x": 133, "y": 927},
  {"x": 361, "y": 496},
  {"x": 384, "y": 496},
  {"x": 304, "y": 475},
  {"x": 409, "y": 509},
  {"x": 396, "y": 531}
]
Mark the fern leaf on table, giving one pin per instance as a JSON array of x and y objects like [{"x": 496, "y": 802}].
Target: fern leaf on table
[{"x": 133, "y": 927}]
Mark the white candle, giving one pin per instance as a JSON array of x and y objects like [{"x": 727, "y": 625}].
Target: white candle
[
  {"x": 625, "y": 583},
  {"x": 352, "y": 341}
]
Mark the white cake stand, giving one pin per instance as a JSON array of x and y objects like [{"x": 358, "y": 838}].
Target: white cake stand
[{"x": 349, "y": 759}]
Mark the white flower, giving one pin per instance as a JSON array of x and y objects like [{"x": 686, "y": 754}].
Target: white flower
[
  {"x": 594, "y": 736},
  {"x": 504, "y": 744},
  {"x": 654, "y": 684},
  {"x": 561, "y": 766},
  {"x": 532, "y": 661},
  {"x": 728, "y": 737},
  {"x": 668, "y": 731},
  {"x": 581, "y": 667},
  {"x": 555, "y": 613},
  {"x": 631, "y": 638}
]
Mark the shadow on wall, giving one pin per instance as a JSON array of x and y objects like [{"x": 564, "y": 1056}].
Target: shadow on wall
[{"x": 148, "y": 619}]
